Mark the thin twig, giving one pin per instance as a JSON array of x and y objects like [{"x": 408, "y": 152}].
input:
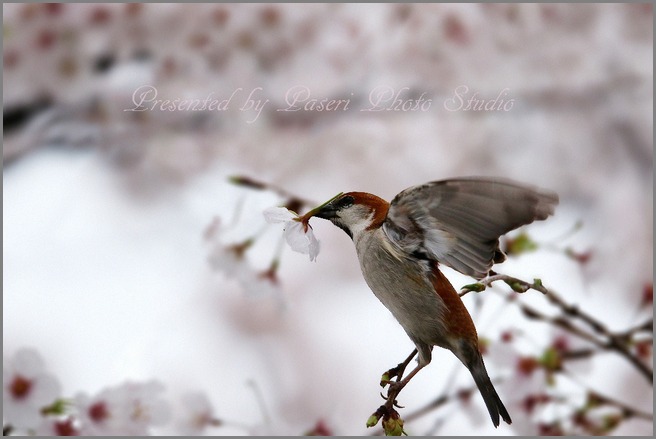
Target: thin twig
[
  {"x": 627, "y": 411},
  {"x": 253, "y": 183},
  {"x": 438, "y": 402},
  {"x": 609, "y": 340}
]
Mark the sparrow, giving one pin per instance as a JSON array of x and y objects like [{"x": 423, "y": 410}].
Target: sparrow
[{"x": 402, "y": 245}]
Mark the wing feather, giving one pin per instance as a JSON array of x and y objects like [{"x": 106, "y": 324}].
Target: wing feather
[{"x": 458, "y": 222}]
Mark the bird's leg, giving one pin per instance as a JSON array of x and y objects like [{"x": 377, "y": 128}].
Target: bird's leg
[
  {"x": 396, "y": 371},
  {"x": 396, "y": 387},
  {"x": 392, "y": 421}
]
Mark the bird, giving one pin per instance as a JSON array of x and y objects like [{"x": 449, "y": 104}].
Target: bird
[{"x": 403, "y": 244}]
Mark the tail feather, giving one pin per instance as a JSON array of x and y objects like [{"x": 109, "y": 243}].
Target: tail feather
[
  {"x": 488, "y": 392},
  {"x": 472, "y": 358}
]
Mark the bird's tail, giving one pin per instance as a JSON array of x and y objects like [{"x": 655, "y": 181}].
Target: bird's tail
[{"x": 474, "y": 362}]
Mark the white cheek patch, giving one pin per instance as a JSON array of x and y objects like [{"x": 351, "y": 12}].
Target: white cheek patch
[{"x": 357, "y": 218}]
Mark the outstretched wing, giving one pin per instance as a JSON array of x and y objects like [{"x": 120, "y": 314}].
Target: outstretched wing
[{"x": 458, "y": 222}]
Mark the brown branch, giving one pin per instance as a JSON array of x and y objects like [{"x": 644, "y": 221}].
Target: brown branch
[
  {"x": 609, "y": 340},
  {"x": 438, "y": 402},
  {"x": 291, "y": 199},
  {"x": 627, "y": 411},
  {"x": 648, "y": 326}
]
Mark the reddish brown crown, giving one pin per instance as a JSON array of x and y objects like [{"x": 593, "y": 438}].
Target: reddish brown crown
[{"x": 378, "y": 206}]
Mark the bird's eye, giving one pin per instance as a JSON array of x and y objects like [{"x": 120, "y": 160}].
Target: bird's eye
[{"x": 345, "y": 202}]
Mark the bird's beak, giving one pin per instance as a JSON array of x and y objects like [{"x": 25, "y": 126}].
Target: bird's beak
[{"x": 326, "y": 211}]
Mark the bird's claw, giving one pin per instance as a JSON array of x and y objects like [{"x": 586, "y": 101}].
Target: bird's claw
[
  {"x": 392, "y": 402},
  {"x": 394, "y": 372}
]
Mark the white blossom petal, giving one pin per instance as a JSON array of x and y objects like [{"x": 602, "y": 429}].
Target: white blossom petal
[
  {"x": 27, "y": 388},
  {"x": 129, "y": 409},
  {"x": 300, "y": 240},
  {"x": 295, "y": 237},
  {"x": 278, "y": 215},
  {"x": 28, "y": 362},
  {"x": 227, "y": 261},
  {"x": 196, "y": 414},
  {"x": 314, "y": 246}
]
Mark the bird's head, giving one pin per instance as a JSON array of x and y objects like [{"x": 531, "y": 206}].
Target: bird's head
[{"x": 353, "y": 212}]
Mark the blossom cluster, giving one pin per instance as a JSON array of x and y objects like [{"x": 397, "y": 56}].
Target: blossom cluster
[
  {"x": 231, "y": 259},
  {"x": 81, "y": 64},
  {"x": 33, "y": 404},
  {"x": 582, "y": 74}
]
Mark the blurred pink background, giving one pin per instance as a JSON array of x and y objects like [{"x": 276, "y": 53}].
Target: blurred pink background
[{"x": 106, "y": 270}]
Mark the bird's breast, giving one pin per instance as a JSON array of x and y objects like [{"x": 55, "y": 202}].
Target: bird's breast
[{"x": 404, "y": 286}]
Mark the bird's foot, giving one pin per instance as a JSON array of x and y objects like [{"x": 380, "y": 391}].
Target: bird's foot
[
  {"x": 390, "y": 400},
  {"x": 395, "y": 372},
  {"x": 393, "y": 391}
]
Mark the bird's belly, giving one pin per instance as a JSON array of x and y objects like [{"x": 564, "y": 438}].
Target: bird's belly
[{"x": 404, "y": 289}]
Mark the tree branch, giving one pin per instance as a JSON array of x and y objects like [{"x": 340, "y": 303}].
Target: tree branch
[{"x": 600, "y": 335}]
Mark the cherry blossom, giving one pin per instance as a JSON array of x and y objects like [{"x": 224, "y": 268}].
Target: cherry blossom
[
  {"x": 128, "y": 409},
  {"x": 568, "y": 353},
  {"x": 524, "y": 390},
  {"x": 197, "y": 414},
  {"x": 230, "y": 260},
  {"x": 60, "y": 426},
  {"x": 298, "y": 233},
  {"x": 27, "y": 388}
]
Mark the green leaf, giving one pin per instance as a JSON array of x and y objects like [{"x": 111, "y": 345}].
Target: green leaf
[
  {"x": 522, "y": 243},
  {"x": 551, "y": 359},
  {"x": 610, "y": 422},
  {"x": 517, "y": 286},
  {"x": 373, "y": 420},
  {"x": 384, "y": 379},
  {"x": 59, "y": 407},
  {"x": 477, "y": 287}
]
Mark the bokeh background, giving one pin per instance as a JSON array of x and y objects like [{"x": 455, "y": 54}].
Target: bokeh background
[{"x": 116, "y": 220}]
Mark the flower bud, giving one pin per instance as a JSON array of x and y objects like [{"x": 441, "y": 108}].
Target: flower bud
[
  {"x": 393, "y": 425},
  {"x": 375, "y": 417},
  {"x": 373, "y": 420}
]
